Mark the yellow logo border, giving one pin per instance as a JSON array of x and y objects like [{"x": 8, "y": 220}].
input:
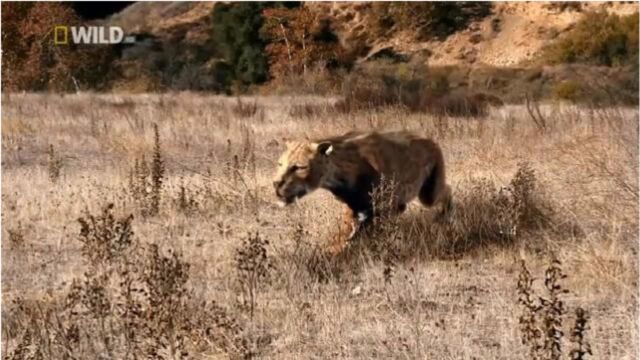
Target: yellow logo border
[{"x": 61, "y": 29}]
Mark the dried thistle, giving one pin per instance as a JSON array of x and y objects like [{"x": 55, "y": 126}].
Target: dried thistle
[
  {"x": 542, "y": 318},
  {"x": 232, "y": 337},
  {"x": 54, "y": 164},
  {"x": 531, "y": 333},
  {"x": 157, "y": 172},
  {"x": 16, "y": 236},
  {"x": 553, "y": 311},
  {"x": 146, "y": 180},
  {"x": 104, "y": 237},
  {"x": 385, "y": 227},
  {"x": 253, "y": 267},
  {"x": 383, "y": 199},
  {"x": 245, "y": 109},
  {"x": 132, "y": 302},
  {"x": 523, "y": 186},
  {"x": 185, "y": 202},
  {"x": 582, "y": 348}
]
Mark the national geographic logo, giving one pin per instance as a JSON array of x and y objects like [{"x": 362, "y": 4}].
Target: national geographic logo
[{"x": 90, "y": 35}]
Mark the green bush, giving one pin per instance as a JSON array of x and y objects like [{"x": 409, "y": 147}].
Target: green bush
[
  {"x": 599, "y": 38},
  {"x": 236, "y": 28}
]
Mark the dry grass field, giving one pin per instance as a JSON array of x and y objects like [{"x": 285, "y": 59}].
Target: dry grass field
[{"x": 210, "y": 268}]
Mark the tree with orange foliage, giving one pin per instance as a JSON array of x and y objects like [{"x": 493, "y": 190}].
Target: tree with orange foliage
[
  {"x": 298, "y": 39},
  {"x": 32, "y": 62}
]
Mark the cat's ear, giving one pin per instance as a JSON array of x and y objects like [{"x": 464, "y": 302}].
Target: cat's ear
[{"x": 324, "y": 148}]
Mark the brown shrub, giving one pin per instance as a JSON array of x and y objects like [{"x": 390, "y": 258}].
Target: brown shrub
[
  {"x": 308, "y": 110},
  {"x": 317, "y": 80},
  {"x": 459, "y": 104},
  {"x": 541, "y": 321},
  {"x": 299, "y": 40},
  {"x": 567, "y": 90},
  {"x": 31, "y": 61},
  {"x": 133, "y": 301},
  {"x": 412, "y": 91},
  {"x": 146, "y": 181},
  {"x": 430, "y": 19},
  {"x": 16, "y": 236},
  {"x": 245, "y": 109},
  {"x": 253, "y": 267},
  {"x": 562, "y": 6},
  {"x": 104, "y": 237},
  {"x": 54, "y": 164}
]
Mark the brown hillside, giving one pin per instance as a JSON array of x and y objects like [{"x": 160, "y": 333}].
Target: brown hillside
[
  {"x": 188, "y": 20},
  {"x": 511, "y": 35},
  {"x": 495, "y": 48}
]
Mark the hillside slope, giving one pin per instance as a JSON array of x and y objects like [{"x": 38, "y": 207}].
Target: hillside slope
[
  {"x": 187, "y": 20},
  {"x": 513, "y": 33},
  {"x": 495, "y": 48}
]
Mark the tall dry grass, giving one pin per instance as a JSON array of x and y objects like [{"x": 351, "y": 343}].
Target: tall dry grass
[{"x": 220, "y": 271}]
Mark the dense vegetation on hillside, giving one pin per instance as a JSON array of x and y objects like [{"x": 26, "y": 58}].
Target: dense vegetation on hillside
[
  {"x": 288, "y": 47},
  {"x": 599, "y": 38},
  {"x": 429, "y": 19},
  {"x": 31, "y": 60}
]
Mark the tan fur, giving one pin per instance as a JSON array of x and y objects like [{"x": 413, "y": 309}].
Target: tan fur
[{"x": 351, "y": 165}]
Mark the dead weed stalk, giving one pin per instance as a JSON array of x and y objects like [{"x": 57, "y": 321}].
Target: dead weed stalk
[
  {"x": 146, "y": 180},
  {"x": 541, "y": 321},
  {"x": 253, "y": 267}
]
